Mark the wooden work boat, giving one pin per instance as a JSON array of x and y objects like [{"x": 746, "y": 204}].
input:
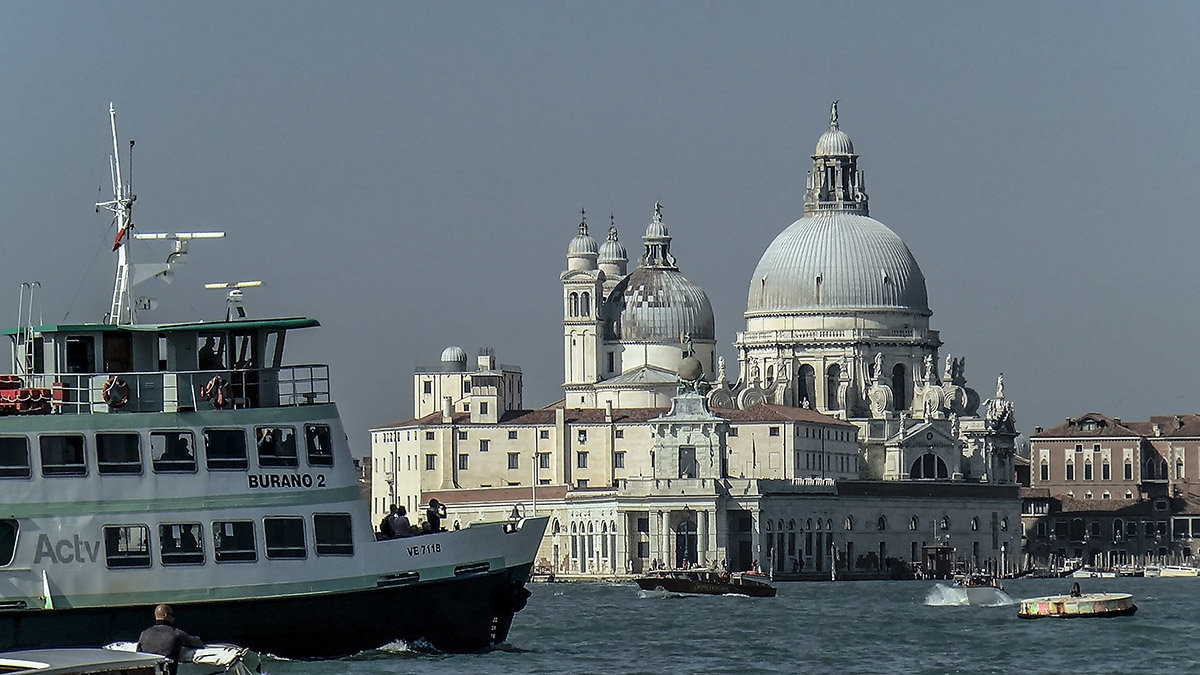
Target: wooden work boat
[
  {"x": 707, "y": 582},
  {"x": 1077, "y": 606}
]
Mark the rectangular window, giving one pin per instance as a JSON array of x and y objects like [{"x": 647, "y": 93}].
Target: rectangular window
[
  {"x": 430, "y": 462},
  {"x": 620, "y": 433},
  {"x": 543, "y": 460},
  {"x": 62, "y": 455},
  {"x": 688, "y": 468},
  {"x": 225, "y": 449},
  {"x": 643, "y": 549},
  {"x": 276, "y": 446},
  {"x": 1070, "y": 471},
  {"x": 612, "y": 362},
  {"x": 733, "y": 431},
  {"x": 1128, "y": 471},
  {"x": 774, "y": 431},
  {"x": 462, "y": 435},
  {"x": 483, "y": 407},
  {"x": 14, "y": 457},
  {"x": 429, "y": 435},
  {"x": 1045, "y": 472},
  {"x": 643, "y": 525},
  {"x": 544, "y": 433},
  {"x": 483, "y": 445},
  {"x": 512, "y": 435},
  {"x": 319, "y": 443},
  {"x": 172, "y": 451},
  {"x": 428, "y": 385},
  {"x": 466, "y": 386},
  {"x": 582, "y": 483},
  {"x": 1095, "y": 447},
  {"x": 332, "y": 534},
  {"x": 127, "y": 546},
  {"x": 619, "y": 460},
  {"x": 581, "y": 460},
  {"x": 233, "y": 541},
  {"x": 1105, "y": 471},
  {"x": 514, "y": 461},
  {"x": 180, "y": 544},
  {"x": 1087, "y": 470},
  {"x": 463, "y": 462},
  {"x": 582, "y": 436},
  {"x": 284, "y": 538},
  {"x": 118, "y": 453}
]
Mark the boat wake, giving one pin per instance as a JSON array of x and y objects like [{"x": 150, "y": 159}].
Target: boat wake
[
  {"x": 942, "y": 595},
  {"x": 659, "y": 593}
]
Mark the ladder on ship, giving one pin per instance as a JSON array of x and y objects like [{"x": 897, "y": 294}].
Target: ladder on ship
[{"x": 25, "y": 355}]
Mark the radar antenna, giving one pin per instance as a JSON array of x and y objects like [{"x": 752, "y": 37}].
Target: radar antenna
[
  {"x": 123, "y": 310},
  {"x": 233, "y": 301}
]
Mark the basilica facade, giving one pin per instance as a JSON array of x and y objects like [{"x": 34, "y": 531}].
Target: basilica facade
[{"x": 840, "y": 448}]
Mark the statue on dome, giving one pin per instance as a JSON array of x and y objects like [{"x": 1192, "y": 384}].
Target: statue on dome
[
  {"x": 1000, "y": 386},
  {"x": 879, "y": 366},
  {"x": 833, "y": 116}
]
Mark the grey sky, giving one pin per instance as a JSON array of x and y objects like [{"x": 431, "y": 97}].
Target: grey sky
[{"x": 411, "y": 173}]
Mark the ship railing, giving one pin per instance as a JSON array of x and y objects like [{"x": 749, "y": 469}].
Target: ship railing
[{"x": 187, "y": 390}]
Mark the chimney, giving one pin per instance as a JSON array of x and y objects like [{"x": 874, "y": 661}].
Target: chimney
[
  {"x": 1158, "y": 430},
  {"x": 447, "y": 409},
  {"x": 1178, "y": 422},
  {"x": 1116, "y": 420},
  {"x": 1037, "y": 430}
]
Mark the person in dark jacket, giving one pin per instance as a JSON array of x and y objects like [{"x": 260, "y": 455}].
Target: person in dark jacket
[
  {"x": 434, "y": 515},
  {"x": 165, "y": 639}
]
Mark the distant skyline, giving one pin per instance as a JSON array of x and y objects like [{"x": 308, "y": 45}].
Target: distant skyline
[{"x": 410, "y": 174}]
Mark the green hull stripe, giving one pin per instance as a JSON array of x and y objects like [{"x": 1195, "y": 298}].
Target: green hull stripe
[{"x": 256, "y": 500}]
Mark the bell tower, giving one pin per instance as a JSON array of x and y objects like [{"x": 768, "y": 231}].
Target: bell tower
[{"x": 583, "y": 287}]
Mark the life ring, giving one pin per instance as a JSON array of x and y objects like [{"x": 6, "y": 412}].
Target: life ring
[
  {"x": 214, "y": 391},
  {"x": 115, "y": 392}
]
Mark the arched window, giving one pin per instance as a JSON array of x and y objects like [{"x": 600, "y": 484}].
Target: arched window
[
  {"x": 899, "y": 384},
  {"x": 808, "y": 524},
  {"x": 1150, "y": 468},
  {"x": 791, "y": 525},
  {"x": 686, "y": 543},
  {"x": 928, "y": 466},
  {"x": 1179, "y": 468},
  {"x": 806, "y": 386},
  {"x": 574, "y": 304},
  {"x": 818, "y": 523},
  {"x": 945, "y": 523},
  {"x": 914, "y": 523},
  {"x": 833, "y": 379},
  {"x": 849, "y": 522},
  {"x": 881, "y": 524},
  {"x": 828, "y": 524},
  {"x": 1045, "y": 472},
  {"x": 585, "y": 304},
  {"x": 975, "y": 524},
  {"x": 770, "y": 375},
  {"x": 1118, "y": 529},
  {"x": 557, "y": 526},
  {"x": 768, "y": 526},
  {"x": 1004, "y": 524}
]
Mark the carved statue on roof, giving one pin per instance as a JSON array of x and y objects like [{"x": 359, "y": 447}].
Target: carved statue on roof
[
  {"x": 833, "y": 115},
  {"x": 929, "y": 375},
  {"x": 879, "y": 366},
  {"x": 1000, "y": 386}
]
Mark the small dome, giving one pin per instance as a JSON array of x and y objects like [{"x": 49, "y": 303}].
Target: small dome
[
  {"x": 612, "y": 251},
  {"x": 834, "y": 142},
  {"x": 454, "y": 355},
  {"x": 583, "y": 244},
  {"x": 690, "y": 369}
]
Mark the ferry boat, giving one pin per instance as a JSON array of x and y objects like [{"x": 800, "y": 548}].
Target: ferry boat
[
  {"x": 1077, "y": 605},
  {"x": 191, "y": 464},
  {"x": 699, "y": 581},
  {"x": 1169, "y": 571}
]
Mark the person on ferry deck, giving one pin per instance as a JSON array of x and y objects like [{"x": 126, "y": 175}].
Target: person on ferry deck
[
  {"x": 434, "y": 515},
  {"x": 208, "y": 357},
  {"x": 386, "y": 530},
  {"x": 165, "y": 639},
  {"x": 398, "y": 520}
]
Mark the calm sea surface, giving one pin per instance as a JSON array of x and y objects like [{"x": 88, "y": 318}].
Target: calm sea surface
[{"x": 856, "y": 627}]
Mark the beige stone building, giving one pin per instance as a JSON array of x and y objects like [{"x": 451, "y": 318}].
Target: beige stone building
[{"x": 838, "y": 448}]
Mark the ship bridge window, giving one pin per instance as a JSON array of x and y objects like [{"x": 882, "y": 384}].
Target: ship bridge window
[
  {"x": 81, "y": 354},
  {"x": 276, "y": 446},
  {"x": 211, "y": 354},
  {"x": 14, "y": 457},
  {"x": 332, "y": 533},
  {"x": 173, "y": 451},
  {"x": 233, "y": 541},
  {"x": 284, "y": 537},
  {"x": 8, "y": 540},
  {"x": 181, "y": 544},
  {"x": 118, "y": 453},
  {"x": 127, "y": 546},
  {"x": 225, "y": 449},
  {"x": 62, "y": 455},
  {"x": 320, "y": 444}
]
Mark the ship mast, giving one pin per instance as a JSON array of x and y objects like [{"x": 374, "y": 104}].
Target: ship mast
[{"x": 121, "y": 311}]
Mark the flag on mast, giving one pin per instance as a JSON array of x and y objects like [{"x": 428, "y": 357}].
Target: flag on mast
[{"x": 120, "y": 235}]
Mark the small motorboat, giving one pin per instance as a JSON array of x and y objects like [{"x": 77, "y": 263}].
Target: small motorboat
[
  {"x": 1077, "y": 605},
  {"x": 1094, "y": 573},
  {"x": 707, "y": 582},
  {"x": 1170, "y": 571},
  {"x": 75, "y": 660},
  {"x": 980, "y": 588},
  {"x": 214, "y": 658}
]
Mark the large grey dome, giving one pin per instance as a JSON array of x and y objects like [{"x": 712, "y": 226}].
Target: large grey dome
[
  {"x": 837, "y": 260},
  {"x": 659, "y": 305}
]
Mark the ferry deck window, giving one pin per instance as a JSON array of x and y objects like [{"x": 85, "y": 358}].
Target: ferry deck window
[
  {"x": 225, "y": 448},
  {"x": 127, "y": 546},
  {"x": 211, "y": 351},
  {"x": 180, "y": 544},
  {"x": 233, "y": 541},
  {"x": 320, "y": 444},
  {"x": 332, "y": 531},
  {"x": 173, "y": 451},
  {"x": 14, "y": 457},
  {"x": 276, "y": 446},
  {"x": 284, "y": 537},
  {"x": 8, "y": 540},
  {"x": 62, "y": 455},
  {"x": 118, "y": 453}
]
